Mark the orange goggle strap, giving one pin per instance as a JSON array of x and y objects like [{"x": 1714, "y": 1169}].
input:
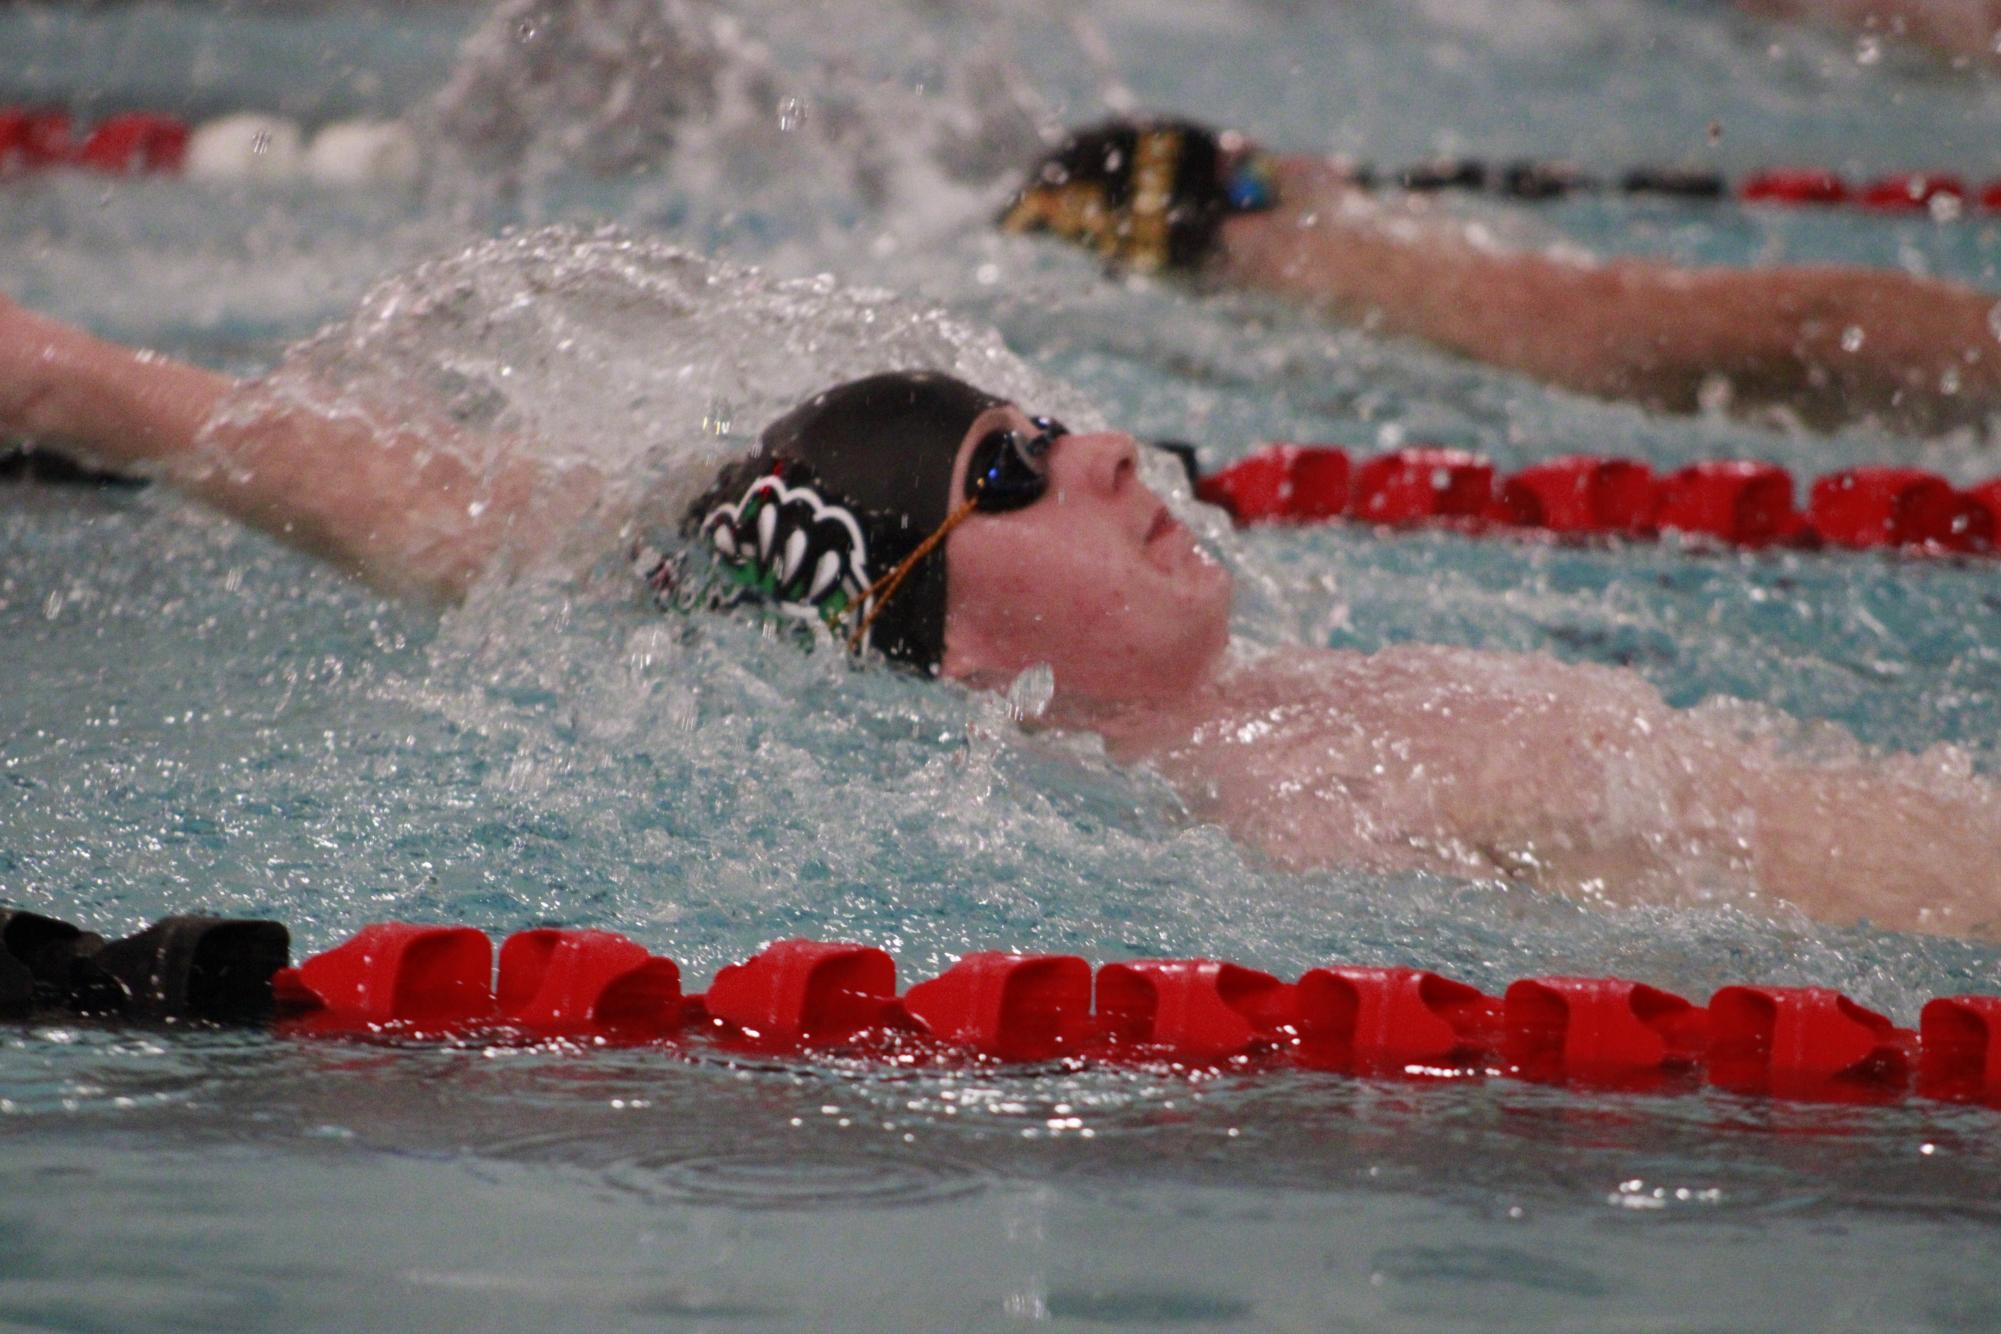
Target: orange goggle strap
[{"x": 877, "y": 595}]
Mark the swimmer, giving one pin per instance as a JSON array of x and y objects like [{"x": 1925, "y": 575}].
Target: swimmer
[
  {"x": 913, "y": 518},
  {"x": 1826, "y": 345}
]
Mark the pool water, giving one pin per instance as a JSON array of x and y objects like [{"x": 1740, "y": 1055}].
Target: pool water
[{"x": 195, "y": 718}]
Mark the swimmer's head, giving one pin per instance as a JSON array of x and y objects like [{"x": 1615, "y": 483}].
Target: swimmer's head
[
  {"x": 947, "y": 529},
  {"x": 1146, "y": 195},
  {"x": 840, "y": 491}
]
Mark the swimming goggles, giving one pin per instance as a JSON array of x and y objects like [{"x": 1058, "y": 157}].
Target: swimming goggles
[
  {"x": 1006, "y": 472},
  {"x": 1003, "y": 473}
]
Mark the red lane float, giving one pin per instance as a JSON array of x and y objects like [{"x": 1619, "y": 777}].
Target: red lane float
[
  {"x": 130, "y": 143},
  {"x": 30, "y": 140},
  {"x": 1193, "y": 1008},
  {"x": 1391, "y": 1019},
  {"x": 1016, "y": 1006},
  {"x": 1914, "y": 192},
  {"x": 1804, "y": 1042},
  {"x": 135, "y": 142},
  {"x": 393, "y": 972},
  {"x": 577, "y": 981},
  {"x": 796, "y": 995},
  {"x": 1408, "y": 485},
  {"x": 1795, "y": 186},
  {"x": 1959, "y": 1042},
  {"x": 420, "y": 979},
  {"x": 1600, "y": 1028},
  {"x": 1742, "y": 503},
  {"x": 1582, "y": 496},
  {"x": 802, "y": 991},
  {"x": 1285, "y": 483},
  {"x": 1738, "y": 502},
  {"x": 1873, "y": 507}
]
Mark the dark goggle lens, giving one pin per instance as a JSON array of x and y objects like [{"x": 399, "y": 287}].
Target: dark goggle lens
[{"x": 1007, "y": 472}]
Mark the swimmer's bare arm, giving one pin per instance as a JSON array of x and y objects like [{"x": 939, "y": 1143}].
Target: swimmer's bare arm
[
  {"x": 1575, "y": 779},
  {"x": 1969, "y": 29},
  {"x": 384, "y": 501},
  {"x": 1831, "y": 344}
]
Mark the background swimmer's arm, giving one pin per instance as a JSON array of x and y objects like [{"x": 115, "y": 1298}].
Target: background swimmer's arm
[
  {"x": 1828, "y": 344},
  {"x": 382, "y": 501},
  {"x": 1961, "y": 28}
]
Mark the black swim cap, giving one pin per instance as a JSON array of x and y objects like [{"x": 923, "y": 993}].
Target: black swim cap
[
  {"x": 1146, "y": 194},
  {"x": 839, "y": 490}
]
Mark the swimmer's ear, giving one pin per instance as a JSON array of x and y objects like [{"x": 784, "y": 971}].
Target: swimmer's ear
[{"x": 1146, "y": 195}]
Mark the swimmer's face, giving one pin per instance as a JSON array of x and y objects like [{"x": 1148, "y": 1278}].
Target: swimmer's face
[{"x": 1096, "y": 578}]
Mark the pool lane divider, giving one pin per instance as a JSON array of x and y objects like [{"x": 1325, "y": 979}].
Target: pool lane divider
[
  {"x": 256, "y": 144},
  {"x": 422, "y": 983},
  {"x": 414, "y": 981},
  {"x": 1941, "y": 194},
  {"x": 238, "y": 147},
  {"x": 1733, "y": 502}
]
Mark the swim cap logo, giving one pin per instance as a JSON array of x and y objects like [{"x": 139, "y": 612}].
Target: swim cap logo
[{"x": 787, "y": 546}]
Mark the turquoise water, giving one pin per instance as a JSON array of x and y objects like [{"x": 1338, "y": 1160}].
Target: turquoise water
[{"x": 197, "y": 718}]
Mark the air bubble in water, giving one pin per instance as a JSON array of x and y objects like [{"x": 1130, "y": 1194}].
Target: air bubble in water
[
  {"x": 791, "y": 113},
  {"x": 1852, "y": 338},
  {"x": 717, "y": 416},
  {"x": 1028, "y": 697}
]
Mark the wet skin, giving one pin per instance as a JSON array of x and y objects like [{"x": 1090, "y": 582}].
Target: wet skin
[{"x": 1096, "y": 578}]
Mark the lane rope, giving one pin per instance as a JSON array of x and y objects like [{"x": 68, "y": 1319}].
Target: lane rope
[
  {"x": 359, "y": 152},
  {"x": 1944, "y": 195},
  {"x": 411, "y": 982},
  {"x": 1741, "y": 503},
  {"x": 240, "y": 147}
]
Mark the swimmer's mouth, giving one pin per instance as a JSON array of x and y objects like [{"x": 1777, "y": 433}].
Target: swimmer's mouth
[{"x": 1163, "y": 523}]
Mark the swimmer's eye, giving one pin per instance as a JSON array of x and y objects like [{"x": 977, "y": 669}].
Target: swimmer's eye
[{"x": 1007, "y": 472}]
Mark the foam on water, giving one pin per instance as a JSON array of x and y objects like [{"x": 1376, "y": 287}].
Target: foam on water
[
  {"x": 645, "y": 364},
  {"x": 757, "y": 121}
]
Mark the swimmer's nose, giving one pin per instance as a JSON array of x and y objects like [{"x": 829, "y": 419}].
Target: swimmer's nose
[{"x": 1105, "y": 463}]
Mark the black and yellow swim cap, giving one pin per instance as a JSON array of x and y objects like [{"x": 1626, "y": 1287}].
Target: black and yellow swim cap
[
  {"x": 1147, "y": 195},
  {"x": 839, "y": 491}
]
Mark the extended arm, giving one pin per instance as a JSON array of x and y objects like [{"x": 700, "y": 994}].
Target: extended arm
[
  {"x": 393, "y": 503},
  {"x": 1830, "y": 344},
  {"x": 1960, "y": 28}
]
